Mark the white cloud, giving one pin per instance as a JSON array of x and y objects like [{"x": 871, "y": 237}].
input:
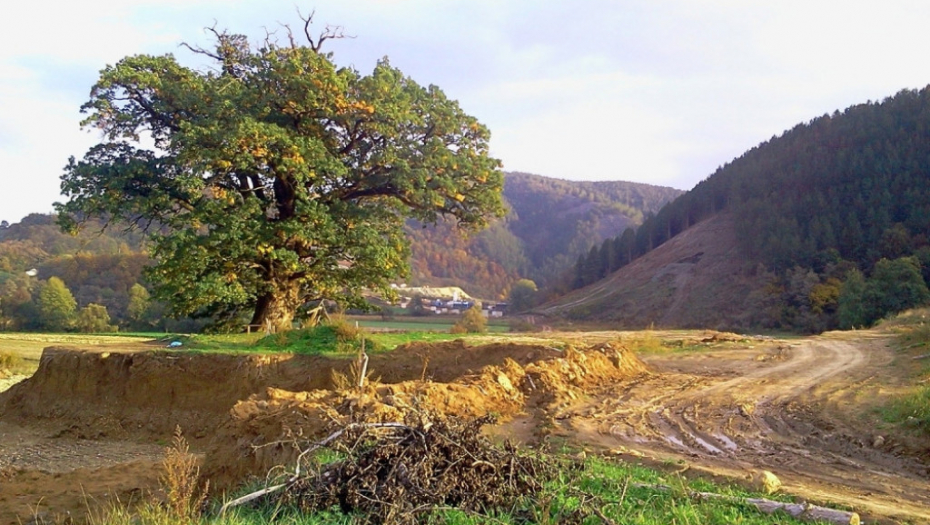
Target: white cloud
[{"x": 661, "y": 92}]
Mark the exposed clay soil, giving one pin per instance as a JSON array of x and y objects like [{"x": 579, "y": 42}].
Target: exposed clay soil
[
  {"x": 90, "y": 426},
  {"x": 798, "y": 409}
]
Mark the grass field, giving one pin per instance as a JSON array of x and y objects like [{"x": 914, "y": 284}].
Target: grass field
[{"x": 29, "y": 345}]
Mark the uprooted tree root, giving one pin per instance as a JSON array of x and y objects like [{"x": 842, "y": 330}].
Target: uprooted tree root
[{"x": 394, "y": 473}]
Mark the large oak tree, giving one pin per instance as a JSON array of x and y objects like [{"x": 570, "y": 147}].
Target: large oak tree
[{"x": 275, "y": 177}]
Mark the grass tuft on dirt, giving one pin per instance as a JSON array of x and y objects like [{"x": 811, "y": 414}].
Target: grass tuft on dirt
[
  {"x": 9, "y": 362},
  {"x": 333, "y": 337},
  {"x": 911, "y": 410}
]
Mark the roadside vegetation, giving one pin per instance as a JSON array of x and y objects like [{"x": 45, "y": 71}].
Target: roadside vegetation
[{"x": 910, "y": 407}]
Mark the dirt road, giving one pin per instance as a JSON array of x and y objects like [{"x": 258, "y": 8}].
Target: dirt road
[{"x": 793, "y": 408}]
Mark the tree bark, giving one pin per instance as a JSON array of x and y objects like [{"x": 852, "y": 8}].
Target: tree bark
[{"x": 276, "y": 309}]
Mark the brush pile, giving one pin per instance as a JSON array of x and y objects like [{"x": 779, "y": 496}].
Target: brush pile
[{"x": 393, "y": 474}]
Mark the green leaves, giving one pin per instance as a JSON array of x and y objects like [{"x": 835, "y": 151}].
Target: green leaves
[
  {"x": 894, "y": 286},
  {"x": 274, "y": 171},
  {"x": 57, "y": 306}
]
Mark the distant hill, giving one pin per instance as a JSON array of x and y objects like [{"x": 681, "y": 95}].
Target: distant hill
[
  {"x": 825, "y": 202},
  {"x": 698, "y": 279},
  {"x": 550, "y": 224},
  {"x": 97, "y": 266}
]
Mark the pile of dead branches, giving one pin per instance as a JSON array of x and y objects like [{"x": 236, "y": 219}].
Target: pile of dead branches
[{"x": 393, "y": 474}]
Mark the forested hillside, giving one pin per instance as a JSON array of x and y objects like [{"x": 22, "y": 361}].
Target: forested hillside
[
  {"x": 827, "y": 204},
  {"x": 550, "y": 223},
  {"x": 50, "y": 280}
]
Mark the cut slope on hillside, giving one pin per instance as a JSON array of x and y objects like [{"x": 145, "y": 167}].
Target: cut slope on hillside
[
  {"x": 841, "y": 193},
  {"x": 698, "y": 279}
]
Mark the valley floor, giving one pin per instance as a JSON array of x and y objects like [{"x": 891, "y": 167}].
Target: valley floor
[{"x": 800, "y": 408}]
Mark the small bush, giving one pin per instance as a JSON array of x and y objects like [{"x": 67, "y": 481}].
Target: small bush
[
  {"x": 9, "y": 360},
  {"x": 344, "y": 329},
  {"x": 183, "y": 497},
  {"x": 472, "y": 322}
]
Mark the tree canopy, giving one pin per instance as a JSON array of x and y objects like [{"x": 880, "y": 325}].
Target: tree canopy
[
  {"x": 57, "y": 306},
  {"x": 522, "y": 295},
  {"x": 276, "y": 178}
]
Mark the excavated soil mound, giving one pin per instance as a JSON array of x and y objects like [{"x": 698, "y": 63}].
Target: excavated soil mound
[
  {"x": 95, "y": 395},
  {"x": 270, "y": 428},
  {"x": 249, "y": 412},
  {"x": 99, "y": 414},
  {"x": 92, "y": 394}
]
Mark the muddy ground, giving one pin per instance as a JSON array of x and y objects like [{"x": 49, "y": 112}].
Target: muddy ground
[{"x": 91, "y": 426}]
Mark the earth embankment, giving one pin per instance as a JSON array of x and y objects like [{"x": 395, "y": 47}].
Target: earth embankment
[
  {"x": 93, "y": 394},
  {"x": 106, "y": 415}
]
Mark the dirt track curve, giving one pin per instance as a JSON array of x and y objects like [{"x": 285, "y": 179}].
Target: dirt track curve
[{"x": 779, "y": 408}]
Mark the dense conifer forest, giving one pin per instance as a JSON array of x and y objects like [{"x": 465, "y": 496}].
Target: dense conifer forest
[{"x": 827, "y": 203}]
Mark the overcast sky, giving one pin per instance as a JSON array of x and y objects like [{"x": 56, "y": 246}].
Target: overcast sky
[{"x": 656, "y": 91}]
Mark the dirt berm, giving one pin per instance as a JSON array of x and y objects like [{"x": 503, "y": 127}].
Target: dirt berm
[{"x": 247, "y": 412}]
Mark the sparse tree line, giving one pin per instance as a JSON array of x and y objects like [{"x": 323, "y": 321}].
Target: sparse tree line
[
  {"x": 829, "y": 207},
  {"x": 89, "y": 283},
  {"x": 49, "y": 305},
  {"x": 32, "y": 304}
]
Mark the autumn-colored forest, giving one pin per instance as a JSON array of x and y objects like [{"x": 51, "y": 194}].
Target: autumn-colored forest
[{"x": 549, "y": 224}]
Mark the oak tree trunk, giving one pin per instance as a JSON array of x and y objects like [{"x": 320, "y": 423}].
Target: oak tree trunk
[{"x": 276, "y": 309}]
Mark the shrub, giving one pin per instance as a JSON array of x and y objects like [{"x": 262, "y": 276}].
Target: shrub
[
  {"x": 94, "y": 318},
  {"x": 472, "y": 322},
  {"x": 344, "y": 329}
]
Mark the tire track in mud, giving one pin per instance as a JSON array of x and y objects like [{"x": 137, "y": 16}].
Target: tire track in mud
[{"x": 774, "y": 416}]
